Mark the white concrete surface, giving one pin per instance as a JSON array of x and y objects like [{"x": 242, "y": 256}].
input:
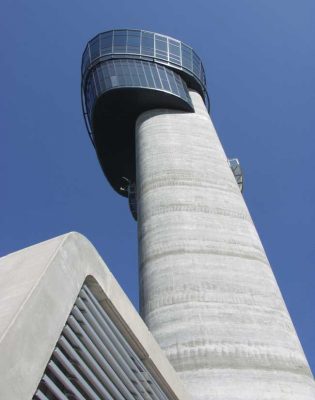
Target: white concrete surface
[
  {"x": 38, "y": 287},
  {"x": 208, "y": 294}
]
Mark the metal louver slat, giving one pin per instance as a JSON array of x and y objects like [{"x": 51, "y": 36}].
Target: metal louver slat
[
  {"x": 120, "y": 344},
  {"x": 40, "y": 396},
  {"x": 66, "y": 382},
  {"x": 75, "y": 374},
  {"x": 96, "y": 360},
  {"x": 93, "y": 360},
  {"x": 128, "y": 353},
  {"x": 91, "y": 370},
  {"x": 112, "y": 356},
  {"x": 53, "y": 388},
  {"x": 94, "y": 344}
]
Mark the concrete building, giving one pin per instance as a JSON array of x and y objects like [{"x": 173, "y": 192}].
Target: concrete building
[
  {"x": 68, "y": 331},
  {"x": 207, "y": 292}
]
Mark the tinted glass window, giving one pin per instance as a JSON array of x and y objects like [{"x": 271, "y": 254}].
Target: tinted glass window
[
  {"x": 85, "y": 59},
  {"x": 187, "y": 57},
  {"x": 106, "y": 43},
  {"x": 174, "y": 47},
  {"x": 172, "y": 81},
  {"x": 156, "y": 76},
  {"x": 100, "y": 77},
  {"x": 141, "y": 73},
  {"x": 148, "y": 74},
  {"x": 161, "y": 47},
  {"x": 147, "y": 44},
  {"x": 134, "y": 77},
  {"x": 133, "y": 42},
  {"x": 163, "y": 77},
  {"x": 111, "y": 68},
  {"x": 131, "y": 73},
  {"x": 196, "y": 64},
  {"x": 174, "y": 50},
  {"x": 120, "y": 42},
  {"x": 95, "y": 48}
]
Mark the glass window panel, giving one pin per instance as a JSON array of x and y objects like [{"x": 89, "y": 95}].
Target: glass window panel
[
  {"x": 100, "y": 77},
  {"x": 196, "y": 64},
  {"x": 128, "y": 80},
  {"x": 106, "y": 43},
  {"x": 105, "y": 70},
  {"x": 98, "y": 85},
  {"x": 161, "y": 54},
  {"x": 148, "y": 74},
  {"x": 181, "y": 89},
  {"x": 107, "y": 83},
  {"x": 119, "y": 68},
  {"x": 171, "y": 81},
  {"x": 142, "y": 77},
  {"x": 131, "y": 68},
  {"x": 123, "y": 81},
  {"x": 160, "y": 43},
  {"x": 120, "y": 41},
  {"x": 134, "y": 78},
  {"x": 187, "y": 57},
  {"x": 174, "y": 48},
  {"x": 111, "y": 68},
  {"x": 175, "y": 60},
  {"x": 147, "y": 44},
  {"x": 85, "y": 59},
  {"x": 100, "y": 71},
  {"x": 163, "y": 77},
  {"x": 95, "y": 84},
  {"x": 95, "y": 48},
  {"x": 156, "y": 76},
  {"x": 161, "y": 47},
  {"x": 114, "y": 80},
  {"x": 133, "y": 42}
]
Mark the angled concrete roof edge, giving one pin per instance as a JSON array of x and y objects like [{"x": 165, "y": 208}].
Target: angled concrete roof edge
[{"x": 38, "y": 287}]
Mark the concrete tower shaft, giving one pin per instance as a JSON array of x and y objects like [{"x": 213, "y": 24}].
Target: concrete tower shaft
[{"x": 208, "y": 294}]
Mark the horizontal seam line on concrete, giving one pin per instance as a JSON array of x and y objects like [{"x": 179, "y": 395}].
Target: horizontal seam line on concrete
[
  {"x": 215, "y": 252},
  {"x": 304, "y": 372},
  {"x": 198, "y": 209},
  {"x": 211, "y": 242},
  {"x": 283, "y": 312},
  {"x": 153, "y": 186}
]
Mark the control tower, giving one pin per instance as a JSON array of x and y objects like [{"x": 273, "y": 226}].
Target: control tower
[{"x": 207, "y": 292}]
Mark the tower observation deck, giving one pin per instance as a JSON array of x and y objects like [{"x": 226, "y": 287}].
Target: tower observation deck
[
  {"x": 207, "y": 291},
  {"x": 124, "y": 73}
]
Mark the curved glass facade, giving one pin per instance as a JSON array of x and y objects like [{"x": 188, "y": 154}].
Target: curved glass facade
[
  {"x": 150, "y": 46},
  {"x": 126, "y": 72},
  {"x": 132, "y": 73}
]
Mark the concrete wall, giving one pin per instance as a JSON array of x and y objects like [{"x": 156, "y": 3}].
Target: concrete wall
[
  {"x": 38, "y": 287},
  {"x": 208, "y": 294}
]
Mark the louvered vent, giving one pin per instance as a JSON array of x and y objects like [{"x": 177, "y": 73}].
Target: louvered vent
[{"x": 93, "y": 360}]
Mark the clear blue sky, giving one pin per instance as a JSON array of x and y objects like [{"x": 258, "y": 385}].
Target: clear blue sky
[{"x": 259, "y": 57}]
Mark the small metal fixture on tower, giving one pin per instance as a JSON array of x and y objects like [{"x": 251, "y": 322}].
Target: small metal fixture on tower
[{"x": 237, "y": 172}]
